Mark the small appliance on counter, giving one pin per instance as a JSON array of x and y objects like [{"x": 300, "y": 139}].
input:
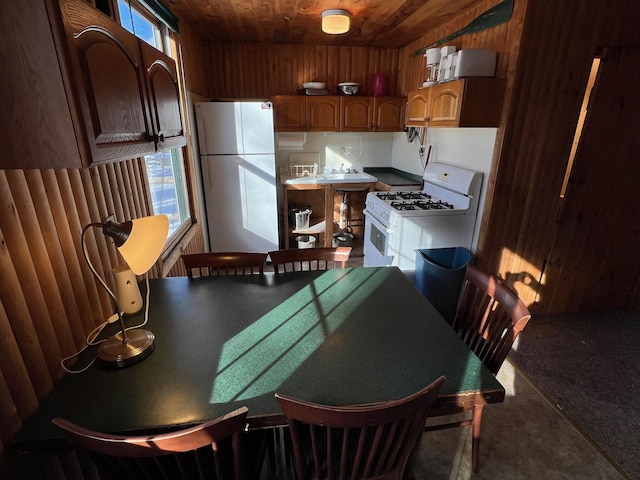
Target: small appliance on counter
[
  {"x": 433, "y": 56},
  {"x": 469, "y": 62}
]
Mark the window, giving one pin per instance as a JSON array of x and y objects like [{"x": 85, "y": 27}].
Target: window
[{"x": 165, "y": 170}]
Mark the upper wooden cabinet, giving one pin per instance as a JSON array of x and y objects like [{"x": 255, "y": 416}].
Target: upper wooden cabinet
[
  {"x": 107, "y": 95},
  {"x": 109, "y": 83},
  {"x": 356, "y": 114},
  {"x": 468, "y": 102},
  {"x": 323, "y": 113},
  {"x": 331, "y": 113},
  {"x": 290, "y": 113},
  {"x": 418, "y": 108},
  {"x": 164, "y": 98},
  {"x": 127, "y": 90},
  {"x": 388, "y": 114}
]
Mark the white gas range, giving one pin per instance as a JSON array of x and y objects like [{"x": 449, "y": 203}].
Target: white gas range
[{"x": 441, "y": 215}]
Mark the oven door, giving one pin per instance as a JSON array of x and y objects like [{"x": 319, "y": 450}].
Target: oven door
[{"x": 377, "y": 239}]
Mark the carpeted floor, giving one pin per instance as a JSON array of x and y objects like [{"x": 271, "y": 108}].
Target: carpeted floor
[{"x": 587, "y": 364}]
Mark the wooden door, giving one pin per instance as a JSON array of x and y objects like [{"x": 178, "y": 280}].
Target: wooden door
[
  {"x": 388, "y": 114},
  {"x": 446, "y": 101},
  {"x": 356, "y": 114},
  {"x": 593, "y": 263},
  {"x": 164, "y": 97},
  {"x": 418, "y": 107},
  {"x": 110, "y": 84},
  {"x": 289, "y": 113},
  {"x": 323, "y": 114}
]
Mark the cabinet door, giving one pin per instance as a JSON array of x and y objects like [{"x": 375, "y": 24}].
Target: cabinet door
[
  {"x": 289, "y": 113},
  {"x": 418, "y": 108},
  {"x": 467, "y": 102},
  {"x": 323, "y": 114},
  {"x": 164, "y": 98},
  {"x": 356, "y": 114},
  {"x": 446, "y": 101},
  {"x": 109, "y": 82},
  {"x": 388, "y": 114}
]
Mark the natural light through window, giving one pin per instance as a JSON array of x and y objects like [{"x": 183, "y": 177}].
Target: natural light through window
[
  {"x": 165, "y": 170},
  {"x": 522, "y": 275},
  {"x": 256, "y": 180},
  {"x": 288, "y": 335}
]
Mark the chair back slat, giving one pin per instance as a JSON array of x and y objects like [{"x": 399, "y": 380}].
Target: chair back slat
[
  {"x": 356, "y": 442},
  {"x": 224, "y": 263},
  {"x": 301, "y": 259},
  {"x": 489, "y": 318},
  {"x": 209, "y": 450}
]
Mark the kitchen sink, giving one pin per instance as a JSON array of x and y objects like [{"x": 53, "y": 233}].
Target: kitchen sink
[{"x": 327, "y": 178}]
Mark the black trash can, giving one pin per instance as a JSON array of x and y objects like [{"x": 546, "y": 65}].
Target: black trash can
[{"x": 439, "y": 276}]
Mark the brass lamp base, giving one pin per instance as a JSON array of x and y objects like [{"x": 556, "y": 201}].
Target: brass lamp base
[{"x": 115, "y": 353}]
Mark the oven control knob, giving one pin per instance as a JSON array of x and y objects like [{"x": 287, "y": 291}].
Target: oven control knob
[{"x": 385, "y": 215}]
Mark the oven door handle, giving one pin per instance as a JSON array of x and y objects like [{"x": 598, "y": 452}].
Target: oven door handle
[{"x": 379, "y": 225}]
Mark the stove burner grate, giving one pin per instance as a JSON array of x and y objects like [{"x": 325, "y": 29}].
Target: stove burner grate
[
  {"x": 403, "y": 196},
  {"x": 421, "y": 205}
]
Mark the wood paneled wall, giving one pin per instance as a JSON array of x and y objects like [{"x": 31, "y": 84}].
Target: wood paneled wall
[
  {"x": 261, "y": 71},
  {"x": 195, "y": 61},
  {"x": 503, "y": 38},
  {"x": 49, "y": 299},
  {"x": 558, "y": 46}
]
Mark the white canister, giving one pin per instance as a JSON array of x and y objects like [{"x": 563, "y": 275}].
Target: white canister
[{"x": 306, "y": 241}]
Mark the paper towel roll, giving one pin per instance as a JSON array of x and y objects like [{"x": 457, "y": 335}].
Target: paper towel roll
[{"x": 291, "y": 141}]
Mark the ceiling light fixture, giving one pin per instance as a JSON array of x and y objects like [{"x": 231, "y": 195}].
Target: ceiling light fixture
[{"x": 335, "y": 22}]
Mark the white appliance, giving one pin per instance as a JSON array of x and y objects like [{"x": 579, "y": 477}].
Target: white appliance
[
  {"x": 237, "y": 155},
  {"x": 441, "y": 215},
  {"x": 468, "y": 62}
]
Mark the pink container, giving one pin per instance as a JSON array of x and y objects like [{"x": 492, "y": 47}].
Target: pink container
[{"x": 378, "y": 85}]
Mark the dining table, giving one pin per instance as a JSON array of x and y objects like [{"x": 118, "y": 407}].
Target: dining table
[{"x": 338, "y": 337}]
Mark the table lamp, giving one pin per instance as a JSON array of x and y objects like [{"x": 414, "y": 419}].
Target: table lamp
[{"x": 140, "y": 242}]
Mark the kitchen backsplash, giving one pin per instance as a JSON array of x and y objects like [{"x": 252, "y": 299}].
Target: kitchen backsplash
[{"x": 346, "y": 150}]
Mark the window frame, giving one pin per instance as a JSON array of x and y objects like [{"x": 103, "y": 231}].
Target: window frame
[{"x": 170, "y": 46}]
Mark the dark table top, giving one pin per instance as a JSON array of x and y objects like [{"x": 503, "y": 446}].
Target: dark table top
[{"x": 343, "y": 336}]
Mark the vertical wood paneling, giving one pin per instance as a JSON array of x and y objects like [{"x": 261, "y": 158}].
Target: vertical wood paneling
[
  {"x": 17, "y": 395},
  {"x": 49, "y": 300},
  {"x": 261, "y": 71},
  {"x": 519, "y": 226},
  {"x": 194, "y": 61},
  {"x": 59, "y": 297},
  {"x": 26, "y": 247}
]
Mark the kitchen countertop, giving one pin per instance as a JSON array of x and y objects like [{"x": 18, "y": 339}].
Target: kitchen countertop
[{"x": 393, "y": 176}]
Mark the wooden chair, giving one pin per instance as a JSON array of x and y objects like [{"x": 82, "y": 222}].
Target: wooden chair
[
  {"x": 212, "y": 450},
  {"x": 297, "y": 259},
  {"x": 224, "y": 263},
  {"x": 489, "y": 318},
  {"x": 357, "y": 441}
]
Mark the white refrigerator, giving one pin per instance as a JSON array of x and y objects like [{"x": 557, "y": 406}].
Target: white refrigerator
[{"x": 237, "y": 155}]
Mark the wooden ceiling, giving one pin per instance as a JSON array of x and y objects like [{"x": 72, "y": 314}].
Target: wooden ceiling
[{"x": 374, "y": 23}]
